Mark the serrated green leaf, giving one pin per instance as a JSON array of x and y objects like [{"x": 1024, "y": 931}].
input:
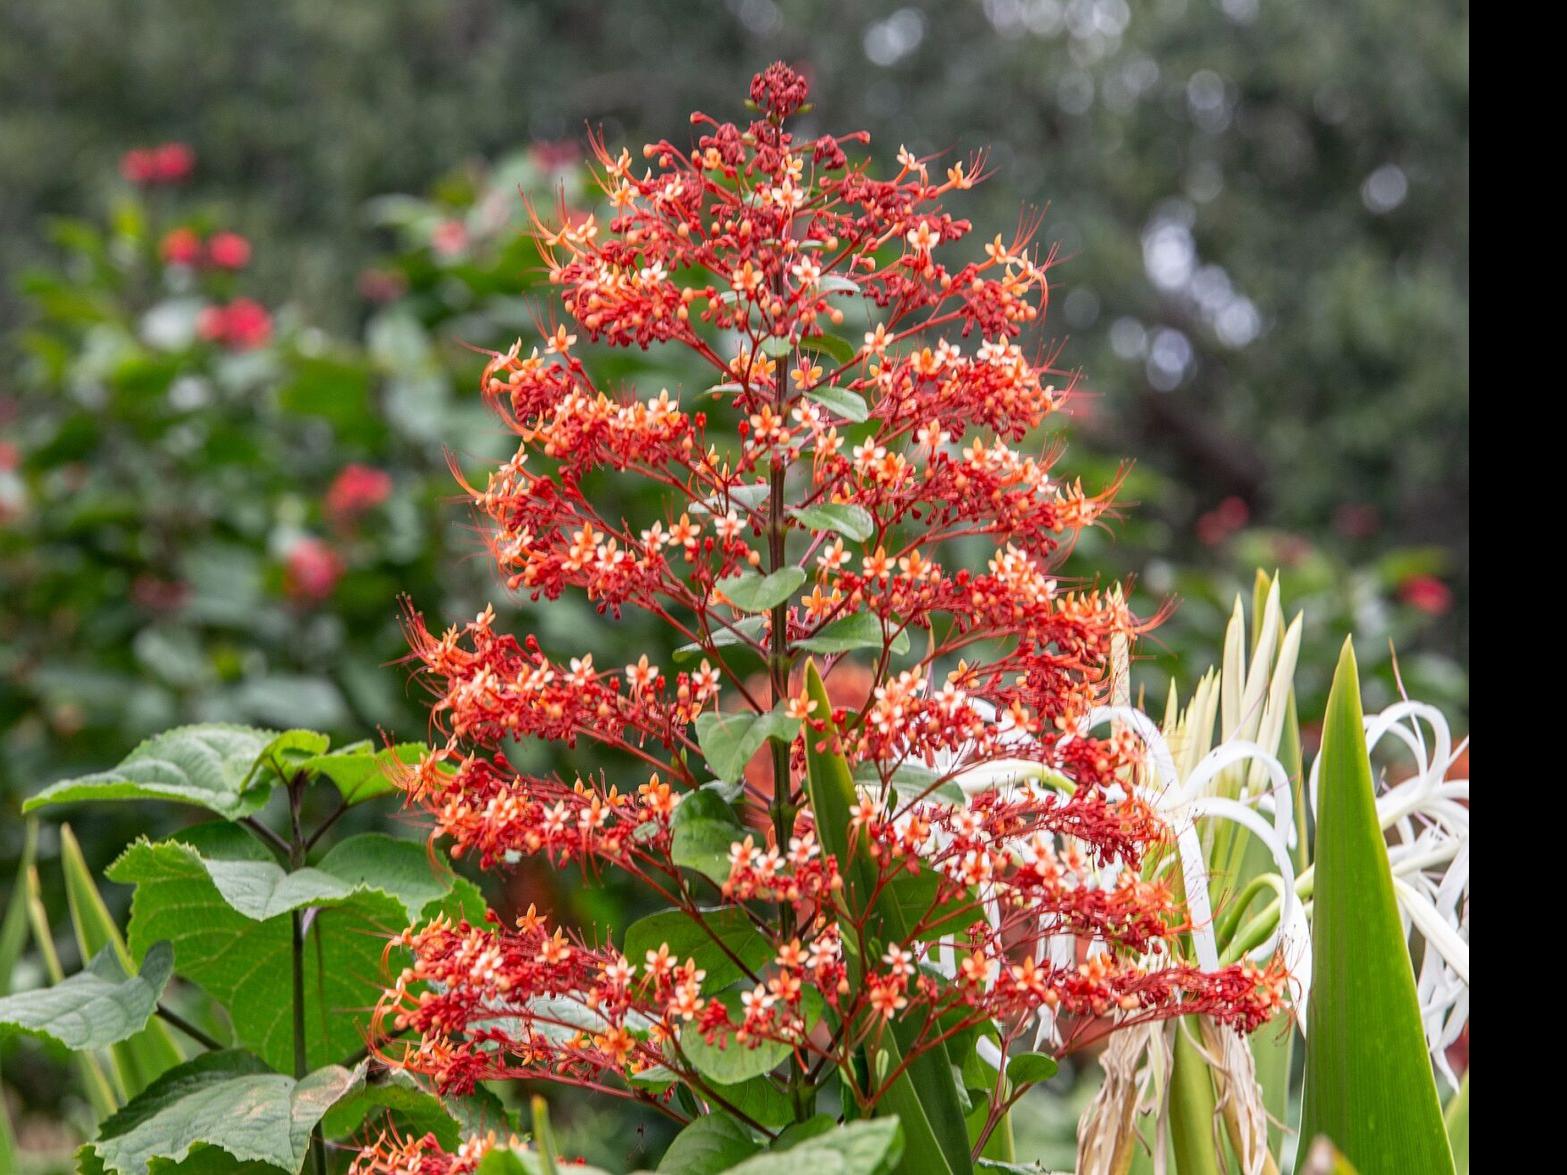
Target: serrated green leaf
[
  {"x": 97, "y": 1006},
  {"x": 860, "y": 630},
  {"x": 208, "y": 766},
  {"x": 851, "y": 521},
  {"x": 1369, "y": 1084},
  {"x": 729, "y": 738},
  {"x": 869, "y": 1147},
  {"x": 243, "y": 959},
  {"x": 752, "y": 592},
  {"x": 849, "y": 405},
  {"x": 398, "y": 1100},
  {"x": 687, "y": 939},
  {"x": 708, "y": 1146},
  {"x": 228, "y": 1100}
]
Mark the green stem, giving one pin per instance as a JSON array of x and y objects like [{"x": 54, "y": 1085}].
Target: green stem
[{"x": 210, "y": 1043}]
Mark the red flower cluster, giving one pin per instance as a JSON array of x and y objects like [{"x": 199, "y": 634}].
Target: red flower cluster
[
  {"x": 241, "y": 325},
  {"x": 355, "y": 490},
  {"x": 224, "y": 250},
  {"x": 171, "y": 163},
  {"x": 311, "y": 570},
  {"x": 871, "y": 503}
]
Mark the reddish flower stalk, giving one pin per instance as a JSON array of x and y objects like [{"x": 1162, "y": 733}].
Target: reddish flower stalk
[{"x": 888, "y": 476}]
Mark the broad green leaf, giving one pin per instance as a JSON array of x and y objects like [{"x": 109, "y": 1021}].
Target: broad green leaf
[
  {"x": 925, "y": 1098},
  {"x": 228, "y": 1100},
  {"x": 753, "y": 592},
  {"x": 139, "y": 1060},
  {"x": 362, "y": 774},
  {"x": 517, "y": 1161},
  {"x": 743, "y": 631},
  {"x": 702, "y": 829},
  {"x": 851, "y": 521},
  {"x": 230, "y": 925},
  {"x": 209, "y": 766},
  {"x": 1031, "y": 1068},
  {"x": 397, "y": 1099},
  {"x": 1369, "y": 1084},
  {"x": 861, "y": 630},
  {"x": 95, "y": 1007},
  {"x": 840, "y": 350},
  {"x": 708, "y": 1146},
  {"x": 733, "y": 1062},
  {"x": 842, "y": 402},
  {"x": 729, "y": 739},
  {"x": 688, "y": 940},
  {"x": 870, "y": 1147}
]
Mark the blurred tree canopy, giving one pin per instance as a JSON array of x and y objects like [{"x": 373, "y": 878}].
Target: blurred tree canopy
[{"x": 1263, "y": 203}]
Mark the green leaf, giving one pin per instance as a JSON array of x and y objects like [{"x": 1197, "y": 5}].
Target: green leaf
[
  {"x": 1031, "y": 1068},
  {"x": 750, "y": 592},
  {"x": 745, "y": 631},
  {"x": 860, "y": 630},
  {"x": 734, "y": 1062},
  {"x": 364, "y": 774},
  {"x": 688, "y": 940},
  {"x": 703, "y": 827},
  {"x": 1457, "y": 1119},
  {"x": 925, "y": 1098},
  {"x": 228, "y": 919},
  {"x": 398, "y": 1098},
  {"x": 95, "y": 1007},
  {"x": 838, "y": 349},
  {"x": 13, "y": 930},
  {"x": 208, "y": 766},
  {"x": 1369, "y": 1084},
  {"x": 139, "y": 1060},
  {"x": 228, "y": 1100},
  {"x": 709, "y": 1145},
  {"x": 853, "y": 522},
  {"x": 870, "y": 1147},
  {"x": 729, "y": 739},
  {"x": 842, "y": 402}
]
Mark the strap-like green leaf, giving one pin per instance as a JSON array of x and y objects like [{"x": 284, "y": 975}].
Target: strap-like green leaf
[
  {"x": 96, "y": 1007},
  {"x": 1369, "y": 1082},
  {"x": 209, "y": 766},
  {"x": 139, "y": 1060},
  {"x": 925, "y": 1098},
  {"x": 228, "y": 1100}
]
